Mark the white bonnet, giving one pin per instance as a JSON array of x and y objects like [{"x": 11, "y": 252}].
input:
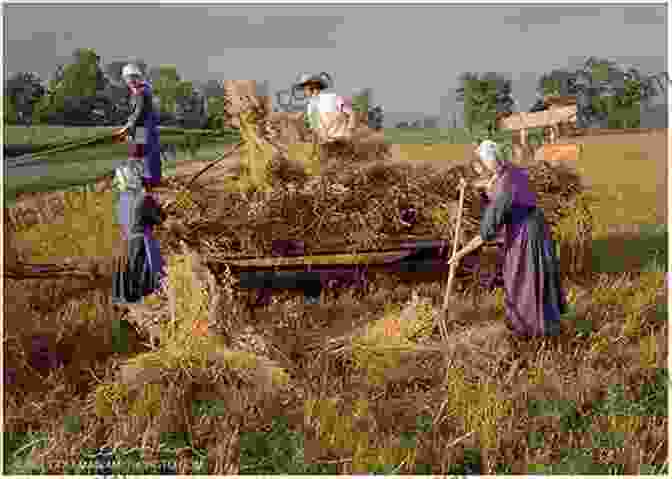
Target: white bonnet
[
  {"x": 488, "y": 151},
  {"x": 131, "y": 70}
]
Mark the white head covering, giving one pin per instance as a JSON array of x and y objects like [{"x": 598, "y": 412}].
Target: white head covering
[
  {"x": 130, "y": 70},
  {"x": 488, "y": 151}
]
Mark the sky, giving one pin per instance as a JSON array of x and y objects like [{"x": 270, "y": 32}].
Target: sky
[{"x": 411, "y": 55}]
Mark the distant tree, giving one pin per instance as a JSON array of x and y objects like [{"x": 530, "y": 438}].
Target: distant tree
[
  {"x": 607, "y": 93},
  {"x": 84, "y": 77},
  {"x": 23, "y": 91},
  {"x": 191, "y": 106},
  {"x": 168, "y": 87},
  {"x": 484, "y": 97},
  {"x": 8, "y": 110},
  {"x": 362, "y": 100},
  {"x": 376, "y": 117},
  {"x": 216, "y": 112},
  {"x": 557, "y": 82},
  {"x": 74, "y": 92},
  {"x": 213, "y": 88}
]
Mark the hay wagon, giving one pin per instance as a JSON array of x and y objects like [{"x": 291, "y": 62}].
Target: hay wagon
[
  {"x": 361, "y": 216},
  {"x": 558, "y": 120}
]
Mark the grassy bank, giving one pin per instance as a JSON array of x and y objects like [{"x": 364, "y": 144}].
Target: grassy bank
[
  {"x": 39, "y": 135},
  {"x": 83, "y": 166}
]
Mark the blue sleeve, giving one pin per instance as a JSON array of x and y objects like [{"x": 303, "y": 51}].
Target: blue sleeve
[{"x": 496, "y": 215}]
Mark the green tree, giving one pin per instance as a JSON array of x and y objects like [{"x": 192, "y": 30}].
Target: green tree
[
  {"x": 362, "y": 100},
  {"x": 22, "y": 91},
  {"x": 73, "y": 87},
  {"x": 184, "y": 90},
  {"x": 84, "y": 77},
  {"x": 167, "y": 86},
  {"x": 619, "y": 92},
  {"x": 8, "y": 110},
  {"x": 557, "y": 82},
  {"x": 216, "y": 112},
  {"x": 484, "y": 97}
]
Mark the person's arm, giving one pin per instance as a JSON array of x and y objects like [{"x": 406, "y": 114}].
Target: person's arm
[
  {"x": 495, "y": 215},
  {"x": 345, "y": 105}
]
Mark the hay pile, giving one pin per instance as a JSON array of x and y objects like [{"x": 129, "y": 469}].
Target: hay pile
[
  {"x": 156, "y": 392},
  {"x": 356, "y": 200},
  {"x": 350, "y": 207}
]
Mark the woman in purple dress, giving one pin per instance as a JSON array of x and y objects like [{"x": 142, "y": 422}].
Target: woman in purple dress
[{"x": 534, "y": 296}]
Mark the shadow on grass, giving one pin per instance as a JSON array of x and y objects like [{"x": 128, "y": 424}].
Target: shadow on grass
[{"x": 631, "y": 252}]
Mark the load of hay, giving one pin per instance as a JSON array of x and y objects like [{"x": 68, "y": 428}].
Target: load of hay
[{"x": 356, "y": 199}]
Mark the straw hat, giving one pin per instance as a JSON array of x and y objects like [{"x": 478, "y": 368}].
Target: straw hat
[{"x": 323, "y": 79}]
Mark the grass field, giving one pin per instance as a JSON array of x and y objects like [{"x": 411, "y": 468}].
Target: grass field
[
  {"x": 82, "y": 166},
  {"x": 48, "y": 134},
  {"x": 593, "y": 401}
]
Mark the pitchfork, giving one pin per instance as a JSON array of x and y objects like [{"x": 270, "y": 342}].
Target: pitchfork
[{"x": 451, "y": 274}]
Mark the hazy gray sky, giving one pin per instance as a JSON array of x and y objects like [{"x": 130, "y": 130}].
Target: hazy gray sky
[{"x": 410, "y": 54}]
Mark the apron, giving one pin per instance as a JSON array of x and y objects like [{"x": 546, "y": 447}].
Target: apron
[{"x": 127, "y": 180}]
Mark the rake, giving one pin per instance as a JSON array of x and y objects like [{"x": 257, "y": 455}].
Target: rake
[{"x": 451, "y": 274}]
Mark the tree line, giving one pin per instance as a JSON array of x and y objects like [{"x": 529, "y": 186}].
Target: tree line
[
  {"x": 86, "y": 92},
  {"x": 608, "y": 95}
]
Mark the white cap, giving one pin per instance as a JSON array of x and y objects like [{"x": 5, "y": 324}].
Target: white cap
[
  {"x": 130, "y": 70},
  {"x": 488, "y": 150}
]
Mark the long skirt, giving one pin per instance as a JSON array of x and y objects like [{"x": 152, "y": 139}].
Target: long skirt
[
  {"x": 535, "y": 299},
  {"x": 125, "y": 209},
  {"x": 146, "y": 147},
  {"x": 150, "y": 155},
  {"x": 143, "y": 273}
]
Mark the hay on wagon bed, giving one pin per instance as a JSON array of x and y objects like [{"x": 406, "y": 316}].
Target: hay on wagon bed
[
  {"x": 356, "y": 200},
  {"x": 324, "y": 211}
]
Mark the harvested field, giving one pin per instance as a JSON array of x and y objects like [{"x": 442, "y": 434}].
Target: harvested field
[
  {"x": 630, "y": 169},
  {"x": 202, "y": 380}
]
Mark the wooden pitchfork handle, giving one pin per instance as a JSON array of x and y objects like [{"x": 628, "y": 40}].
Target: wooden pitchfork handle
[{"x": 453, "y": 266}]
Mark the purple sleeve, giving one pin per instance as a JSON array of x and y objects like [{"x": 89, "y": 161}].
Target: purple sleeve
[
  {"x": 519, "y": 183},
  {"x": 496, "y": 214}
]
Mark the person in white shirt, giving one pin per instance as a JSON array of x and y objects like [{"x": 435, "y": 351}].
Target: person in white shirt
[{"x": 329, "y": 115}]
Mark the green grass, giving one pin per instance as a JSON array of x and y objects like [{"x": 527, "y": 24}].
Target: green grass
[
  {"x": 17, "y": 447},
  {"x": 83, "y": 167},
  {"x": 47, "y": 134},
  {"x": 642, "y": 251},
  {"x": 40, "y": 135}
]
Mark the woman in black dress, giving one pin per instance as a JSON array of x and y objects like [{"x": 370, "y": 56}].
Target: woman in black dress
[{"x": 140, "y": 272}]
